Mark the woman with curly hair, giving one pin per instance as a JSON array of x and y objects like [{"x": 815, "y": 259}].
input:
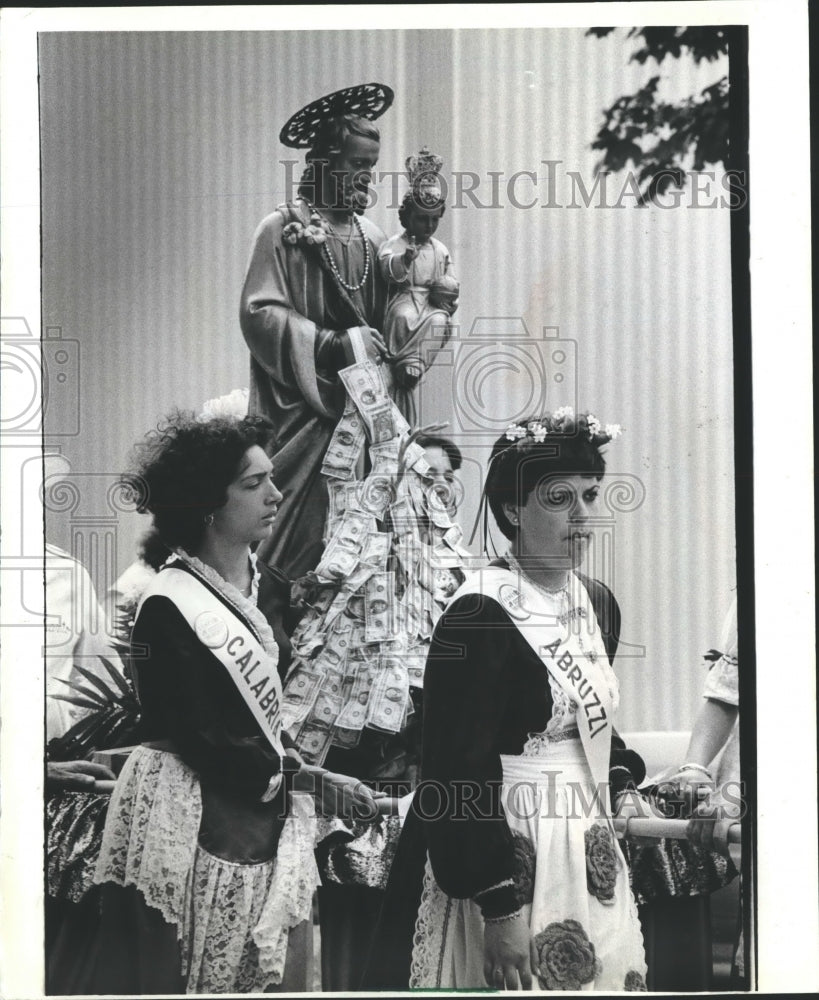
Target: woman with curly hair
[
  {"x": 524, "y": 881},
  {"x": 206, "y": 866}
]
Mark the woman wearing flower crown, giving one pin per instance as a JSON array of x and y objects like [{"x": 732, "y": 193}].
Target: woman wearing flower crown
[
  {"x": 524, "y": 881},
  {"x": 423, "y": 291}
]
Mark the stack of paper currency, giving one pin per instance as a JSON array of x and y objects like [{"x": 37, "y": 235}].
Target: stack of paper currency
[{"x": 392, "y": 558}]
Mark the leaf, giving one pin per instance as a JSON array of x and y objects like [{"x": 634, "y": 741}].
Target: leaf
[
  {"x": 85, "y": 692},
  {"x": 116, "y": 676},
  {"x": 61, "y": 747},
  {"x": 98, "y": 682},
  {"x": 80, "y": 702}
]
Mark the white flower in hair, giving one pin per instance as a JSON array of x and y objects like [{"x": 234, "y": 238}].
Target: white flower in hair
[
  {"x": 538, "y": 431},
  {"x": 614, "y": 431},
  {"x": 563, "y": 413},
  {"x": 233, "y": 404},
  {"x": 593, "y": 424},
  {"x": 515, "y": 432}
]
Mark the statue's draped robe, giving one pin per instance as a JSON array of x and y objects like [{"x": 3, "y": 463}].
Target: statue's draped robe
[{"x": 294, "y": 321}]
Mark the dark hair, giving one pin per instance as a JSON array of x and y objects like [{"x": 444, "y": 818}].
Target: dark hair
[
  {"x": 410, "y": 203},
  {"x": 182, "y": 470},
  {"x": 449, "y": 448},
  {"x": 518, "y": 467},
  {"x": 328, "y": 145},
  {"x": 152, "y": 550}
]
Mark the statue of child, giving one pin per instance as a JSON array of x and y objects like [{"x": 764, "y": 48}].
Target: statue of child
[{"x": 423, "y": 291}]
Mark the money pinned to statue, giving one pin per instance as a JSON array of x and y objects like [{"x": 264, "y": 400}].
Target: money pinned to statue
[{"x": 370, "y": 603}]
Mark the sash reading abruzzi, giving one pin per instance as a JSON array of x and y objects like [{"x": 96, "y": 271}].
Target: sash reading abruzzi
[
  {"x": 560, "y": 649},
  {"x": 252, "y": 669}
]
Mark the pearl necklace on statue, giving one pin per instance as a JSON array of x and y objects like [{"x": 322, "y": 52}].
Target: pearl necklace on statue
[{"x": 331, "y": 260}]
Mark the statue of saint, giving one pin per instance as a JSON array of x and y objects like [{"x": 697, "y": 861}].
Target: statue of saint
[{"x": 313, "y": 280}]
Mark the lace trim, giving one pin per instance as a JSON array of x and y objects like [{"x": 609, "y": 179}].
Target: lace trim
[
  {"x": 429, "y": 936},
  {"x": 541, "y": 744},
  {"x": 151, "y": 830},
  {"x": 233, "y": 921},
  {"x": 290, "y": 897},
  {"x": 245, "y": 606}
]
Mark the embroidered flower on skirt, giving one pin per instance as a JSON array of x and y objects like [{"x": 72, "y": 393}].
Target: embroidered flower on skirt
[
  {"x": 601, "y": 862},
  {"x": 565, "y": 956},
  {"x": 634, "y": 983},
  {"x": 524, "y": 871}
]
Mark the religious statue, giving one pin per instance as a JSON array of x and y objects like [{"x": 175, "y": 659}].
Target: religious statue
[
  {"x": 423, "y": 291},
  {"x": 312, "y": 281}
]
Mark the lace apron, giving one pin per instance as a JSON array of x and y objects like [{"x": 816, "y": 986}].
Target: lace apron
[
  {"x": 571, "y": 880},
  {"x": 232, "y": 920}
]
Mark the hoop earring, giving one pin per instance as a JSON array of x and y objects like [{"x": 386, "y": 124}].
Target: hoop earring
[{"x": 208, "y": 520}]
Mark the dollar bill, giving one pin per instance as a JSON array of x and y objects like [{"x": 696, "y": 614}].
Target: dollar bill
[
  {"x": 344, "y": 447},
  {"x": 425, "y": 572},
  {"x": 414, "y": 457},
  {"x": 384, "y": 458},
  {"x": 379, "y": 598},
  {"x": 342, "y": 552},
  {"x": 380, "y": 423},
  {"x": 437, "y": 500},
  {"x": 346, "y": 739},
  {"x": 376, "y": 549},
  {"x": 328, "y": 701},
  {"x": 407, "y": 550},
  {"x": 337, "y": 562},
  {"x": 299, "y": 696},
  {"x": 401, "y": 425},
  {"x": 376, "y": 494},
  {"x": 416, "y": 663},
  {"x": 354, "y": 713},
  {"x": 418, "y": 498},
  {"x": 313, "y": 742},
  {"x": 413, "y": 606},
  {"x": 342, "y": 497},
  {"x": 355, "y": 607},
  {"x": 365, "y": 386},
  {"x": 403, "y": 517},
  {"x": 453, "y": 537},
  {"x": 359, "y": 576},
  {"x": 336, "y": 646},
  {"x": 389, "y": 695}
]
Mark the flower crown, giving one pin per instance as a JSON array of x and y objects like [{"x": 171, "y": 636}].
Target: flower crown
[{"x": 562, "y": 421}]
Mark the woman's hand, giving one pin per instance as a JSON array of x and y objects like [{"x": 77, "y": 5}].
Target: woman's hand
[
  {"x": 507, "y": 953},
  {"x": 76, "y": 775},
  {"x": 709, "y": 825},
  {"x": 338, "y": 794},
  {"x": 693, "y": 786}
]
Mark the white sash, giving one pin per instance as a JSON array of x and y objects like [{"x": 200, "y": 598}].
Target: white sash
[
  {"x": 252, "y": 669},
  {"x": 579, "y": 677}
]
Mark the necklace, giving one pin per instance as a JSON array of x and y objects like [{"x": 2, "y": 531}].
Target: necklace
[
  {"x": 552, "y": 594},
  {"x": 330, "y": 258}
]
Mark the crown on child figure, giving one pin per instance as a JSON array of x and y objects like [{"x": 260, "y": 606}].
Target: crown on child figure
[{"x": 423, "y": 170}]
